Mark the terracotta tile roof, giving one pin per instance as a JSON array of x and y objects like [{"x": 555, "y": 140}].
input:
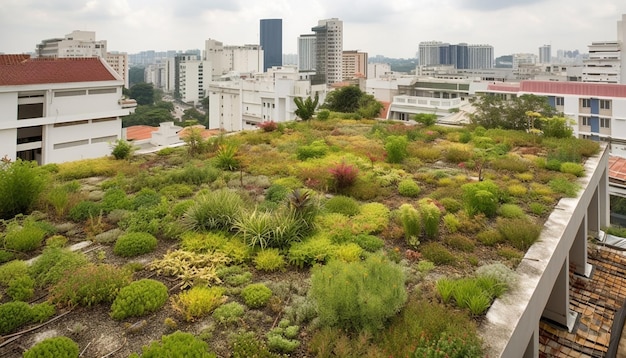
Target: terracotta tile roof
[
  {"x": 206, "y": 133},
  {"x": 617, "y": 169},
  {"x": 51, "y": 70},
  {"x": 140, "y": 132},
  {"x": 596, "y": 300}
]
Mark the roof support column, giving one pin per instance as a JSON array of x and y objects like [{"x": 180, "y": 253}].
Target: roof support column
[
  {"x": 532, "y": 350},
  {"x": 578, "y": 251},
  {"x": 557, "y": 307}
]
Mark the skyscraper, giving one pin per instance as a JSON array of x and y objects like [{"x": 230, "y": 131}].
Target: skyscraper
[
  {"x": 306, "y": 52},
  {"x": 545, "y": 54},
  {"x": 329, "y": 49},
  {"x": 480, "y": 56},
  {"x": 272, "y": 42}
]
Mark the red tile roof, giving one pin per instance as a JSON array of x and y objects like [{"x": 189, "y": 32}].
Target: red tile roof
[
  {"x": 140, "y": 132},
  {"x": 562, "y": 88},
  {"x": 16, "y": 70},
  {"x": 617, "y": 169}
]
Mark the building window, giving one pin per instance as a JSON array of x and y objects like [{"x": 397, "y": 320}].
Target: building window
[
  {"x": 586, "y": 103},
  {"x": 75, "y": 143},
  {"x": 108, "y": 119},
  {"x": 107, "y": 139},
  {"x": 67, "y": 124},
  {"x": 584, "y": 121},
  {"x": 70, "y": 93},
  {"x": 560, "y": 101},
  {"x": 605, "y": 104},
  {"x": 605, "y": 122},
  {"x": 103, "y": 90}
]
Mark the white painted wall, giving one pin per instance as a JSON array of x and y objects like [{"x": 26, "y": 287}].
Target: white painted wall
[
  {"x": 8, "y": 144},
  {"x": 64, "y": 106},
  {"x": 8, "y": 104}
]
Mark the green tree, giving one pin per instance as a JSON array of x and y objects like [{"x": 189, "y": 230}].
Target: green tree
[
  {"x": 143, "y": 93},
  {"x": 427, "y": 119},
  {"x": 351, "y": 99},
  {"x": 148, "y": 115},
  {"x": 192, "y": 114},
  {"x": 494, "y": 112},
  {"x": 306, "y": 108},
  {"x": 135, "y": 75}
]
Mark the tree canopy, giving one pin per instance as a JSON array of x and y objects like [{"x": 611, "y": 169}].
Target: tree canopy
[
  {"x": 136, "y": 75},
  {"x": 150, "y": 115},
  {"x": 494, "y": 112},
  {"x": 306, "y": 107},
  {"x": 351, "y": 99},
  {"x": 143, "y": 93}
]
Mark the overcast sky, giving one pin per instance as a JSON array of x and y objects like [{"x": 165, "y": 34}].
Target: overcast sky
[{"x": 392, "y": 28}]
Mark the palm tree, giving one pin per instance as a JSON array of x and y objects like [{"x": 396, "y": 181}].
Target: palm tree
[{"x": 306, "y": 108}]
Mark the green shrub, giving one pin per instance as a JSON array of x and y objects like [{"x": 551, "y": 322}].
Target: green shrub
[
  {"x": 457, "y": 155},
  {"x": 89, "y": 285},
  {"x": 21, "y": 183},
  {"x": 412, "y": 224},
  {"x": 12, "y": 270},
  {"x": 511, "y": 163},
  {"x": 430, "y": 217},
  {"x": 276, "y": 193},
  {"x": 451, "y": 205},
  {"x": 519, "y": 232},
  {"x": 114, "y": 198},
  {"x": 517, "y": 190},
  {"x": 176, "y": 345},
  {"x": 269, "y": 260},
  {"x": 246, "y": 345},
  {"x": 437, "y": 253},
  {"x": 21, "y": 288},
  {"x": 446, "y": 346},
  {"x": 14, "y": 315},
  {"x": 369, "y": 243},
  {"x": 54, "y": 263},
  {"x": 256, "y": 295},
  {"x": 42, "y": 312},
  {"x": 134, "y": 244},
  {"x": 490, "y": 237},
  {"x": 24, "y": 239},
  {"x": 511, "y": 211},
  {"x": 349, "y": 252},
  {"x": 176, "y": 191},
  {"x": 460, "y": 242},
  {"x": 196, "y": 175},
  {"x": 282, "y": 339},
  {"x": 139, "y": 298},
  {"x": 358, "y": 295},
  {"x": 271, "y": 229},
  {"x": 316, "y": 149},
  {"x": 146, "y": 198},
  {"x": 122, "y": 149},
  {"x": 451, "y": 223},
  {"x": 317, "y": 249},
  {"x": 396, "y": 148},
  {"x": 323, "y": 115},
  {"x": 572, "y": 168},
  {"x": 408, "y": 188},
  {"x": 6, "y": 256},
  {"x": 214, "y": 210},
  {"x": 198, "y": 301},
  {"x": 226, "y": 157},
  {"x": 553, "y": 164},
  {"x": 481, "y": 197},
  {"x": 84, "y": 210},
  {"x": 61, "y": 347},
  {"x": 228, "y": 313},
  {"x": 538, "y": 208},
  {"x": 343, "y": 205}
]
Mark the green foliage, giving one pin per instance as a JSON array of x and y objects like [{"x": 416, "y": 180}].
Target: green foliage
[
  {"x": 572, "y": 168},
  {"x": 451, "y": 205},
  {"x": 21, "y": 183},
  {"x": 276, "y": 193},
  {"x": 21, "y": 288},
  {"x": 427, "y": 119},
  {"x": 177, "y": 345},
  {"x": 89, "y": 285},
  {"x": 25, "y": 238},
  {"x": 350, "y": 99},
  {"x": 490, "y": 237},
  {"x": 412, "y": 224},
  {"x": 6, "y": 256},
  {"x": 14, "y": 315},
  {"x": 246, "y": 345},
  {"x": 431, "y": 215},
  {"x": 228, "y": 313},
  {"x": 369, "y": 243},
  {"x": 460, "y": 242},
  {"x": 408, "y": 188},
  {"x": 122, "y": 149},
  {"x": 323, "y": 115},
  {"x": 281, "y": 339},
  {"x": 396, "y": 148},
  {"x": 519, "y": 232},
  {"x": 138, "y": 299},
  {"x": 564, "y": 186},
  {"x": 437, "y": 253},
  {"x": 150, "y": 115},
  {"x": 143, "y": 93},
  {"x": 256, "y": 295},
  {"x": 306, "y": 108},
  {"x": 511, "y": 163},
  {"x": 42, "y": 312},
  {"x": 134, "y": 244},
  {"x": 198, "y": 301},
  {"x": 269, "y": 260},
  {"x": 317, "y": 249},
  {"x": 557, "y": 127},
  {"x": 473, "y": 293},
  {"x": 538, "y": 208},
  {"x": 214, "y": 210},
  {"x": 457, "y": 154},
  {"x": 60, "y": 347},
  {"x": 481, "y": 197},
  {"x": 359, "y": 295},
  {"x": 344, "y": 175},
  {"x": 12, "y": 270},
  {"x": 343, "y": 205},
  {"x": 316, "y": 149},
  {"x": 495, "y": 112},
  {"x": 446, "y": 347},
  {"x": 84, "y": 210},
  {"x": 349, "y": 252},
  {"x": 193, "y": 269},
  {"x": 194, "y": 140},
  {"x": 511, "y": 211},
  {"x": 226, "y": 157},
  {"x": 451, "y": 223}
]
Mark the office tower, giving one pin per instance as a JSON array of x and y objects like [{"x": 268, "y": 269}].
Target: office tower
[
  {"x": 430, "y": 53},
  {"x": 306, "y": 52},
  {"x": 480, "y": 56},
  {"x": 272, "y": 42},
  {"x": 354, "y": 65},
  {"x": 459, "y": 56},
  {"x": 545, "y": 54},
  {"x": 329, "y": 48}
]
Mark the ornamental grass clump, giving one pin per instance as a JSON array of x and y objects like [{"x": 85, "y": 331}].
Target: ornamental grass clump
[
  {"x": 342, "y": 205},
  {"x": 481, "y": 197},
  {"x": 521, "y": 233},
  {"x": 89, "y": 284},
  {"x": 54, "y": 347},
  {"x": 139, "y": 298},
  {"x": 412, "y": 224},
  {"x": 216, "y": 210},
  {"x": 431, "y": 216},
  {"x": 24, "y": 238},
  {"x": 360, "y": 295},
  {"x": 135, "y": 244},
  {"x": 343, "y": 175}
]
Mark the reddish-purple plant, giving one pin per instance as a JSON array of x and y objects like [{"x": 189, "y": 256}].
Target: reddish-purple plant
[
  {"x": 268, "y": 126},
  {"x": 344, "y": 174}
]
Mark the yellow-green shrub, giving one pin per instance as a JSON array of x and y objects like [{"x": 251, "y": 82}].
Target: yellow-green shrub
[
  {"x": 138, "y": 299},
  {"x": 269, "y": 260},
  {"x": 53, "y": 347},
  {"x": 198, "y": 301}
]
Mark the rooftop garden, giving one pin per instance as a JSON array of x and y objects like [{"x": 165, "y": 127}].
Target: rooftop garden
[{"x": 320, "y": 238}]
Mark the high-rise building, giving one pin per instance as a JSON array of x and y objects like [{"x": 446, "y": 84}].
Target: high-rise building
[
  {"x": 306, "y": 52},
  {"x": 459, "y": 56},
  {"x": 225, "y": 59},
  {"x": 480, "y": 56},
  {"x": 545, "y": 54},
  {"x": 329, "y": 49},
  {"x": 430, "y": 54},
  {"x": 272, "y": 42},
  {"x": 604, "y": 62},
  {"x": 189, "y": 78},
  {"x": 354, "y": 65},
  {"x": 462, "y": 55}
]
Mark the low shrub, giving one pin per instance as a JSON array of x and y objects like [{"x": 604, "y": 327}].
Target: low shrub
[
  {"x": 24, "y": 239},
  {"x": 396, "y": 148},
  {"x": 369, "y": 243},
  {"x": 134, "y": 244},
  {"x": 343, "y": 175},
  {"x": 457, "y": 155},
  {"x": 446, "y": 346},
  {"x": 317, "y": 249},
  {"x": 42, "y": 312},
  {"x": 269, "y": 260},
  {"x": 54, "y": 347},
  {"x": 89, "y": 285},
  {"x": 511, "y": 163},
  {"x": 84, "y": 210},
  {"x": 246, "y": 345},
  {"x": 14, "y": 315},
  {"x": 54, "y": 263},
  {"x": 451, "y": 205},
  {"x": 176, "y": 345},
  {"x": 276, "y": 193},
  {"x": 517, "y": 190},
  {"x": 412, "y": 224},
  {"x": 256, "y": 295},
  {"x": 572, "y": 168},
  {"x": 316, "y": 149},
  {"x": 359, "y": 295},
  {"x": 12, "y": 270},
  {"x": 460, "y": 242},
  {"x": 519, "y": 232},
  {"x": 282, "y": 338},
  {"x": 176, "y": 191},
  {"x": 490, "y": 237},
  {"x": 430, "y": 217},
  {"x": 343, "y": 205},
  {"x": 122, "y": 149},
  {"x": 21, "y": 183},
  {"x": 538, "y": 209},
  {"x": 408, "y": 188},
  {"x": 21, "y": 288},
  {"x": 349, "y": 252},
  {"x": 481, "y": 197},
  {"x": 226, "y": 157},
  {"x": 437, "y": 253},
  {"x": 228, "y": 313},
  {"x": 511, "y": 211},
  {"x": 451, "y": 223},
  {"x": 139, "y": 298},
  {"x": 198, "y": 301}
]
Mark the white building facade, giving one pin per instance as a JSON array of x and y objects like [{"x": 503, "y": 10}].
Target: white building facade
[
  {"x": 306, "y": 52},
  {"x": 60, "y": 110}
]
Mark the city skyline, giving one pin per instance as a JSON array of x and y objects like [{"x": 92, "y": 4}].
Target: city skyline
[{"x": 379, "y": 28}]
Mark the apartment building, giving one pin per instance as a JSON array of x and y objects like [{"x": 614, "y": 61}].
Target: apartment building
[
  {"x": 59, "y": 109},
  {"x": 354, "y": 65},
  {"x": 328, "y": 51},
  {"x": 306, "y": 52}
]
